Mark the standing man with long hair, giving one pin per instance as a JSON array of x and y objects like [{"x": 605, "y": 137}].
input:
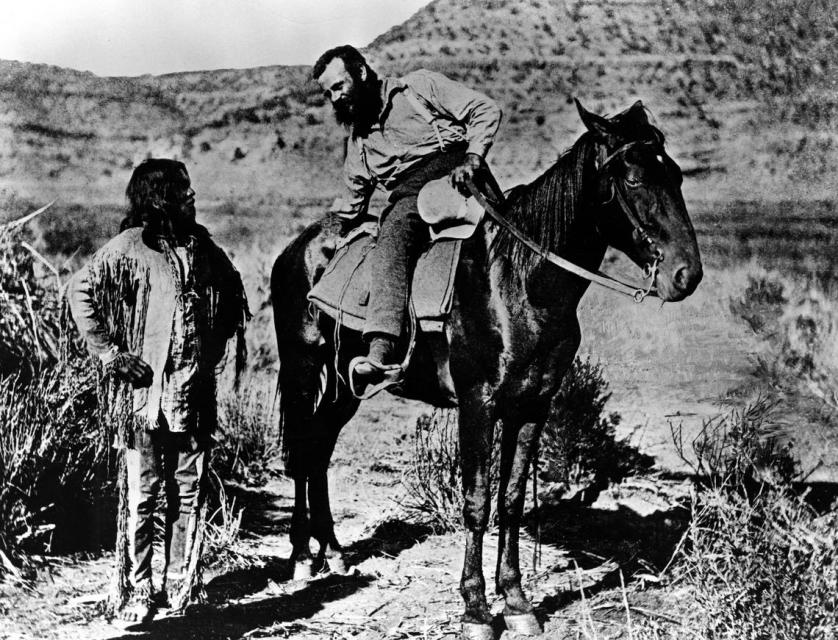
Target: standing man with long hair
[{"x": 158, "y": 305}]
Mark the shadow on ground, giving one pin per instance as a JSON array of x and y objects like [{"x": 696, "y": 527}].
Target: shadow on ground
[
  {"x": 208, "y": 622},
  {"x": 596, "y": 538},
  {"x": 388, "y": 539},
  {"x": 263, "y": 511}
]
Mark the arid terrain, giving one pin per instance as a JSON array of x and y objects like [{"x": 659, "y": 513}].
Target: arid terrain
[{"x": 748, "y": 99}]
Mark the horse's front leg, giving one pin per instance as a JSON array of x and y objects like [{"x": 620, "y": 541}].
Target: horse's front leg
[
  {"x": 476, "y": 426},
  {"x": 518, "y": 444}
]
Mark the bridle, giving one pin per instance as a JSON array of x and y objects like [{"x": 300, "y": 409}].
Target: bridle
[
  {"x": 495, "y": 207},
  {"x": 650, "y": 270}
]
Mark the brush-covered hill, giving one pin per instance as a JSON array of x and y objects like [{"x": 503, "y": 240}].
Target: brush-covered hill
[{"x": 746, "y": 92}]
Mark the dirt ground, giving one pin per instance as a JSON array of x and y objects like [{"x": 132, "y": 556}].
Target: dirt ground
[
  {"x": 404, "y": 579},
  {"x": 667, "y": 366}
]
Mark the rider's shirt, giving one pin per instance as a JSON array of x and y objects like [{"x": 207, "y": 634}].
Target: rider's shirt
[{"x": 424, "y": 113}]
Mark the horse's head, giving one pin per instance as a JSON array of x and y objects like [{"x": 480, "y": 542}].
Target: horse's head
[{"x": 640, "y": 208}]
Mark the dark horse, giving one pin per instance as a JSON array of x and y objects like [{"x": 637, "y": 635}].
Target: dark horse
[{"x": 513, "y": 334}]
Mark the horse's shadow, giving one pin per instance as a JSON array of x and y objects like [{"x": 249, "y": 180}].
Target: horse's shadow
[
  {"x": 264, "y": 514},
  {"x": 388, "y": 539},
  {"x": 623, "y": 538}
]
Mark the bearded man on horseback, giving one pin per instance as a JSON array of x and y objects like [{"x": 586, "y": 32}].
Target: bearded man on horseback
[{"x": 403, "y": 133}]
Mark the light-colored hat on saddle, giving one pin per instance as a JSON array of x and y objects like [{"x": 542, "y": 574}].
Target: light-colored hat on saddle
[{"x": 449, "y": 214}]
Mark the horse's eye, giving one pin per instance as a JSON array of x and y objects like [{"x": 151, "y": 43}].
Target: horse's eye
[{"x": 633, "y": 183}]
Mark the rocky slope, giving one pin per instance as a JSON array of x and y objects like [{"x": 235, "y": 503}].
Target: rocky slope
[{"x": 746, "y": 94}]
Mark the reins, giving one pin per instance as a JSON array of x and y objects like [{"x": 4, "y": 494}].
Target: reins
[{"x": 494, "y": 210}]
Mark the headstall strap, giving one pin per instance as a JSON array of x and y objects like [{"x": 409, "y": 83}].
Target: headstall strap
[{"x": 628, "y": 210}]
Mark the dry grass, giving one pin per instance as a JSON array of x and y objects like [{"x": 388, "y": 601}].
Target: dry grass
[
  {"x": 763, "y": 566},
  {"x": 762, "y": 562},
  {"x": 247, "y": 441},
  {"x": 56, "y": 468}
]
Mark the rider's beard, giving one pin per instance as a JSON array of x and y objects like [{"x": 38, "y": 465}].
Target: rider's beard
[{"x": 361, "y": 108}]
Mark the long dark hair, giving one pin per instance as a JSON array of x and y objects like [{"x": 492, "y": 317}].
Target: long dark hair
[{"x": 150, "y": 192}]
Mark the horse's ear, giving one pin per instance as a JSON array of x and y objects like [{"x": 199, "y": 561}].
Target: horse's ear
[
  {"x": 637, "y": 112},
  {"x": 597, "y": 125}
]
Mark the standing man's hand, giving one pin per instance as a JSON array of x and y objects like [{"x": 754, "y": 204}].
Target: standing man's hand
[
  {"x": 466, "y": 171},
  {"x": 133, "y": 369}
]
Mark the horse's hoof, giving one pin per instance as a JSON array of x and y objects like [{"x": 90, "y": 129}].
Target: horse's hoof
[
  {"x": 477, "y": 631},
  {"x": 303, "y": 571},
  {"x": 338, "y": 566},
  {"x": 525, "y": 624}
]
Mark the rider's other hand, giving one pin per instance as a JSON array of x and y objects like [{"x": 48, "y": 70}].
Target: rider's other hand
[
  {"x": 465, "y": 172},
  {"x": 133, "y": 369}
]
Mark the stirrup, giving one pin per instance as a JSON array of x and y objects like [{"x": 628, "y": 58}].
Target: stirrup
[{"x": 391, "y": 375}]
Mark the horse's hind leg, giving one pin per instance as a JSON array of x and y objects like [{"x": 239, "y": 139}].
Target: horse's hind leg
[
  {"x": 299, "y": 381},
  {"x": 300, "y": 534},
  {"x": 333, "y": 416},
  {"x": 517, "y": 448}
]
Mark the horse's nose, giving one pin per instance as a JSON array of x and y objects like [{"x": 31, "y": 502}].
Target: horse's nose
[{"x": 687, "y": 277}]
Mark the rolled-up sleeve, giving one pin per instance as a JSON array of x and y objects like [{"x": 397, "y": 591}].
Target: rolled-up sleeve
[{"x": 476, "y": 112}]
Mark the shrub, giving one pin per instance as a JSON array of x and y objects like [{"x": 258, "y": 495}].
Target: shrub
[
  {"x": 741, "y": 450},
  {"x": 56, "y": 468},
  {"x": 578, "y": 446},
  {"x": 433, "y": 482},
  {"x": 760, "y": 561},
  {"x": 761, "y": 303},
  {"x": 801, "y": 331},
  {"x": 247, "y": 441}
]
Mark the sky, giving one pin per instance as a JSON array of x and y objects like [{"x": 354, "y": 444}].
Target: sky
[{"x": 135, "y": 37}]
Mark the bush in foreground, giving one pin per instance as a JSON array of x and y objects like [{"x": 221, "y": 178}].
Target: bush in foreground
[
  {"x": 56, "y": 468},
  {"x": 579, "y": 446},
  {"x": 761, "y": 562}
]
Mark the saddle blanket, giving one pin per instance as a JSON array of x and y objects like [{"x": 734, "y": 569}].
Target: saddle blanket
[{"x": 343, "y": 290}]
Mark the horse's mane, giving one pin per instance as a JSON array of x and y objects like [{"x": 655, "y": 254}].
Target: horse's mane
[{"x": 545, "y": 209}]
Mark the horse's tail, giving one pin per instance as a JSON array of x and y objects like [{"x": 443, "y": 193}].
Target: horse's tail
[{"x": 291, "y": 280}]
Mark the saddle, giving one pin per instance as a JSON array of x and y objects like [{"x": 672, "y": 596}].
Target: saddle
[{"x": 342, "y": 292}]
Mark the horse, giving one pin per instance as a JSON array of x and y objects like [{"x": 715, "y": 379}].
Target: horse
[{"x": 513, "y": 333}]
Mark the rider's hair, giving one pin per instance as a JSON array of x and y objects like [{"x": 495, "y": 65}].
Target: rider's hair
[{"x": 353, "y": 60}]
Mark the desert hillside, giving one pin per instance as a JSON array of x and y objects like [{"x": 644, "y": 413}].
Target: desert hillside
[{"x": 745, "y": 92}]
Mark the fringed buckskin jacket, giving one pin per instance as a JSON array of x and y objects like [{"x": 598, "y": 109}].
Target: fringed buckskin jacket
[{"x": 136, "y": 295}]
